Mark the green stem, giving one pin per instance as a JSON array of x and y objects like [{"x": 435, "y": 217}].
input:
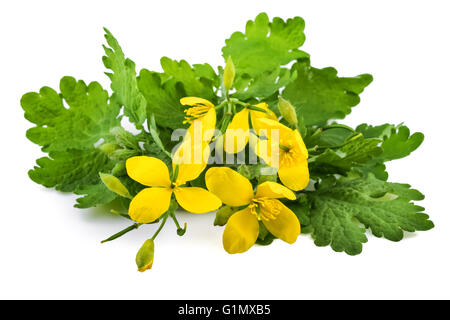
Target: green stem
[
  {"x": 180, "y": 231},
  {"x": 160, "y": 226},
  {"x": 124, "y": 231}
]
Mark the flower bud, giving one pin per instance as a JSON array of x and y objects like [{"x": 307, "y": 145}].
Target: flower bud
[
  {"x": 228, "y": 74},
  {"x": 223, "y": 214},
  {"x": 114, "y": 184},
  {"x": 108, "y": 148},
  {"x": 144, "y": 257},
  {"x": 119, "y": 169},
  {"x": 287, "y": 111}
]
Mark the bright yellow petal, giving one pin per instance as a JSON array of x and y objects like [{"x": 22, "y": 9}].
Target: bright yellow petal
[
  {"x": 148, "y": 171},
  {"x": 269, "y": 151},
  {"x": 284, "y": 225},
  {"x": 231, "y": 187},
  {"x": 240, "y": 232},
  {"x": 295, "y": 176},
  {"x": 202, "y": 129},
  {"x": 273, "y": 190},
  {"x": 236, "y": 135},
  {"x": 191, "y": 159},
  {"x": 149, "y": 204},
  {"x": 197, "y": 200},
  {"x": 300, "y": 143},
  {"x": 267, "y": 127},
  {"x": 192, "y": 101},
  {"x": 254, "y": 115}
]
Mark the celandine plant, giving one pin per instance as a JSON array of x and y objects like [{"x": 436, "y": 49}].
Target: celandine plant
[{"x": 259, "y": 143}]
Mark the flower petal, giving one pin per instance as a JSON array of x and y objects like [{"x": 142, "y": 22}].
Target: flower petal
[
  {"x": 197, "y": 200},
  {"x": 285, "y": 226},
  {"x": 261, "y": 115},
  {"x": 300, "y": 143},
  {"x": 149, "y": 204},
  {"x": 192, "y": 101},
  {"x": 266, "y": 126},
  {"x": 231, "y": 187},
  {"x": 240, "y": 232},
  {"x": 296, "y": 176},
  {"x": 273, "y": 190},
  {"x": 191, "y": 158},
  {"x": 148, "y": 171},
  {"x": 202, "y": 129},
  {"x": 269, "y": 151},
  {"x": 236, "y": 135}
]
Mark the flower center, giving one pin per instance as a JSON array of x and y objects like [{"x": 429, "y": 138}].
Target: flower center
[
  {"x": 264, "y": 208},
  {"x": 195, "y": 112},
  {"x": 289, "y": 154}
]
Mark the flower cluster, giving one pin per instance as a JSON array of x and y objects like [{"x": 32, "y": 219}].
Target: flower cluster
[{"x": 253, "y": 207}]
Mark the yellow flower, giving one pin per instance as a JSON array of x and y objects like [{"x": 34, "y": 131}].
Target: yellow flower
[
  {"x": 242, "y": 228},
  {"x": 149, "y": 204},
  {"x": 288, "y": 153},
  {"x": 201, "y": 115},
  {"x": 237, "y": 134}
]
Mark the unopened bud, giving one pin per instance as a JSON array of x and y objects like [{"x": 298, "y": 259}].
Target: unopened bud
[
  {"x": 114, "y": 184},
  {"x": 119, "y": 169},
  {"x": 109, "y": 148},
  {"x": 287, "y": 111},
  {"x": 228, "y": 74},
  {"x": 144, "y": 257},
  {"x": 223, "y": 214}
]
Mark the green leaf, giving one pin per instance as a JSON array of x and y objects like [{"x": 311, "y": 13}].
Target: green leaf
[
  {"x": 70, "y": 169},
  {"x": 343, "y": 209},
  {"x": 263, "y": 85},
  {"x": 191, "y": 78},
  {"x": 381, "y": 131},
  {"x": 320, "y": 95},
  {"x": 261, "y": 51},
  {"x": 93, "y": 195},
  {"x": 123, "y": 81},
  {"x": 301, "y": 207},
  {"x": 328, "y": 138},
  {"x": 397, "y": 143},
  {"x": 88, "y": 118},
  {"x": 341, "y": 160},
  {"x": 400, "y": 144},
  {"x": 265, "y": 46},
  {"x": 163, "y": 99}
]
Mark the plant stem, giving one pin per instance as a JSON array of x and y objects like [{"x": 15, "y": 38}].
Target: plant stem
[
  {"x": 160, "y": 226},
  {"x": 124, "y": 231}
]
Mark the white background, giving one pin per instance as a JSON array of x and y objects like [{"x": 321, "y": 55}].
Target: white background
[{"x": 48, "y": 249}]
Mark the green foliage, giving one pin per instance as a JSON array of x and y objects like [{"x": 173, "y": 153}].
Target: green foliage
[
  {"x": 93, "y": 195},
  {"x": 342, "y": 210},
  {"x": 265, "y": 45},
  {"x": 70, "y": 169},
  {"x": 163, "y": 98},
  {"x": 320, "y": 95},
  {"x": 197, "y": 82},
  {"x": 259, "y": 54},
  {"x": 123, "y": 81},
  {"x": 340, "y": 160},
  {"x": 88, "y": 118}
]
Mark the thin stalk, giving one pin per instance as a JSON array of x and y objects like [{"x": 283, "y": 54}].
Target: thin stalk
[{"x": 121, "y": 233}]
